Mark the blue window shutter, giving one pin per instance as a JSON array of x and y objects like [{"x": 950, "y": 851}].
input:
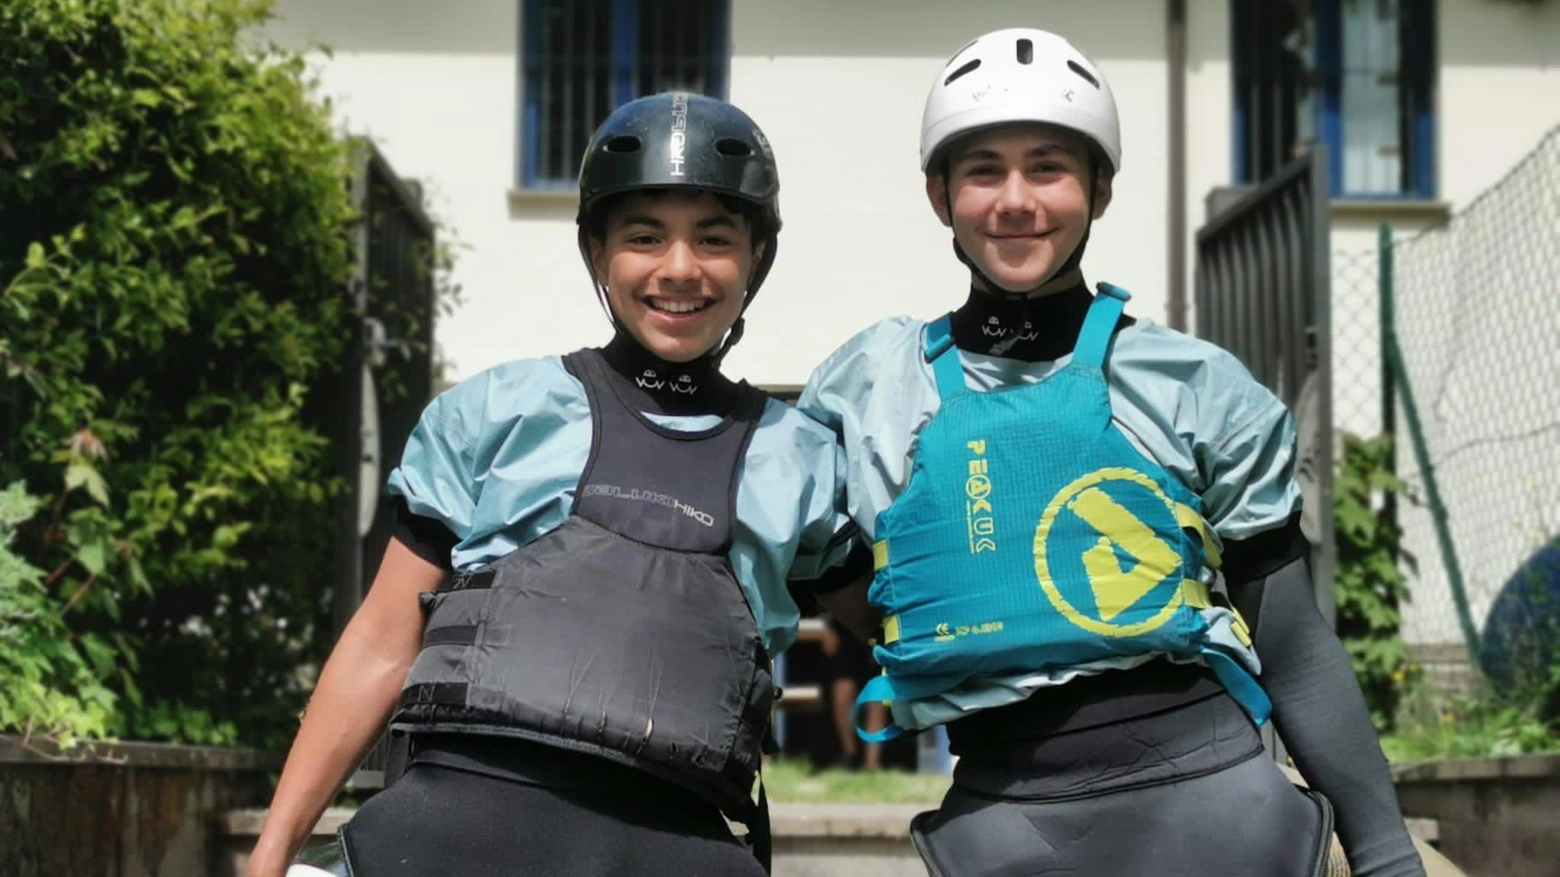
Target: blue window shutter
[
  {"x": 1241, "y": 38},
  {"x": 1419, "y": 86},
  {"x": 625, "y": 50},
  {"x": 529, "y": 137},
  {"x": 1329, "y": 70}
]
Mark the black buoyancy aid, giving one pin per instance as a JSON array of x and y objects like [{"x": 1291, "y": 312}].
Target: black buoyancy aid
[{"x": 624, "y": 632}]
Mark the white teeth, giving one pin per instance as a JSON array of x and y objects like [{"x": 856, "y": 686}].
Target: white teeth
[{"x": 678, "y": 307}]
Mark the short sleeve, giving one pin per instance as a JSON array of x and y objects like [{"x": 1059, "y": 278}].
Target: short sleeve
[
  {"x": 829, "y": 532},
  {"x": 1249, "y": 467},
  {"x": 436, "y": 476}
]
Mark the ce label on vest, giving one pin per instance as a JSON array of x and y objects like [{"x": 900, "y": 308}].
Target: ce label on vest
[{"x": 1114, "y": 589}]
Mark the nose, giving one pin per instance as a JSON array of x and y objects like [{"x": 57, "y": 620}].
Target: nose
[
  {"x": 680, "y": 265},
  {"x": 1016, "y": 197}
]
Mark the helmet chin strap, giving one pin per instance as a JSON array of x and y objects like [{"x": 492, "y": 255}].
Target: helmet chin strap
[{"x": 994, "y": 288}]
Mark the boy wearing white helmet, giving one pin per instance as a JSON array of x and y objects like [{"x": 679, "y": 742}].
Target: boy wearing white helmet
[{"x": 1049, "y": 488}]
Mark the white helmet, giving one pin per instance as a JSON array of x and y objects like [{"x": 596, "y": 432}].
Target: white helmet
[{"x": 1020, "y": 74}]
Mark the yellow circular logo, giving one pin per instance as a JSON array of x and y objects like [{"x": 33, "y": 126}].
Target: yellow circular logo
[{"x": 1115, "y": 590}]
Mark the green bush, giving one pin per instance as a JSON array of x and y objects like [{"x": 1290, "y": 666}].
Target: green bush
[
  {"x": 173, "y": 253},
  {"x": 48, "y": 687},
  {"x": 1477, "y": 723},
  {"x": 1370, "y": 584}
]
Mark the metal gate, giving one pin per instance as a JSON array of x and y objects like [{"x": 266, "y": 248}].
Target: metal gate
[
  {"x": 1264, "y": 293},
  {"x": 387, "y": 376},
  {"x": 388, "y": 371}
]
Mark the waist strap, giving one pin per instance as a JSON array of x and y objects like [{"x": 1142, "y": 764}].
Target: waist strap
[{"x": 1190, "y": 739}]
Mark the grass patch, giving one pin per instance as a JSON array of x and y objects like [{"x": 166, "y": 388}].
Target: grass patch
[
  {"x": 1471, "y": 724},
  {"x": 797, "y": 782}
]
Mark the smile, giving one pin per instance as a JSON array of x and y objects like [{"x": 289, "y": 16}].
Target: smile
[
  {"x": 680, "y": 308},
  {"x": 1030, "y": 236}
]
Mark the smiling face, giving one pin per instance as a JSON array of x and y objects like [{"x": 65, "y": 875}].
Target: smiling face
[
  {"x": 1017, "y": 199},
  {"x": 676, "y": 265}
]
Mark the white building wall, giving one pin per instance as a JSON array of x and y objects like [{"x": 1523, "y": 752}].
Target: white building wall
[{"x": 838, "y": 88}]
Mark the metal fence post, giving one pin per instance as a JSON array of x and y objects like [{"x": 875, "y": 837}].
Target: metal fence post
[{"x": 1387, "y": 317}]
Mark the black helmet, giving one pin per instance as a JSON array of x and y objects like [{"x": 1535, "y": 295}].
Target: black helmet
[{"x": 680, "y": 140}]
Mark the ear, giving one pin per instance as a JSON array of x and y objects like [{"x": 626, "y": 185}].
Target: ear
[
  {"x": 758, "y": 259},
  {"x": 1102, "y": 194},
  {"x": 937, "y": 193},
  {"x": 598, "y": 259}
]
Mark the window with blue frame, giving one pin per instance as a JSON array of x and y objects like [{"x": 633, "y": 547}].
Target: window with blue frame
[
  {"x": 581, "y": 59},
  {"x": 1355, "y": 75}
]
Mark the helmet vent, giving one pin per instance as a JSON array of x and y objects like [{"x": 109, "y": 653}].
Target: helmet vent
[
  {"x": 730, "y": 146},
  {"x": 1081, "y": 71},
  {"x": 1026, "y": 52},
  {"x": 623, "y": 143},
  {"x": 967, "y": 68}
]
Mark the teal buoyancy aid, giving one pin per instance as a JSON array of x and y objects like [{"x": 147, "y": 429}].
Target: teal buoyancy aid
[{"x": 1033, "y": 536}]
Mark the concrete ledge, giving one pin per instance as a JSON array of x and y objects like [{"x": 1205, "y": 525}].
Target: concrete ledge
[
  {"x": 246, "y": 823},
  {"x": 1473, "y": 769},
  {"x": 885, "y": 821},
  {"x": 18, "y": 750},
  {"x": 1498, "y": 815},
  {"x": 120, "y": 810}
]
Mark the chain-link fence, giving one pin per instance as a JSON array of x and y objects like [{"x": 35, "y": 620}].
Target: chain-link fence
[
  {"x": 1356, "y": 290},
  {"x": 1473, "y": 367}
]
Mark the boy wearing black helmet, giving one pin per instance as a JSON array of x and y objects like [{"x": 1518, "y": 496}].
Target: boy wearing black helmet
[{"x": 573, "y": 626}]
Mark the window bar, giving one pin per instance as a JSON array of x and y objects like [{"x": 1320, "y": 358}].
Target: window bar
[
  {"x": 719, "y": 49},
  {"x": 548, "y": 136},
  {"x": 1273, "y": 136},
  {"x": 589, "y": 63},
  {"x": 699, "y": 48},
  {"x": 1419, "y": 46},
  {"x": 649, "y": 61},
  {"x": 664, "y": 55},
  {"x": 568, "y": 61},
  {"x": 625, "y": 34},
  {"x": 677, "y": 47},
  {"x": 1259, "y": 158}
]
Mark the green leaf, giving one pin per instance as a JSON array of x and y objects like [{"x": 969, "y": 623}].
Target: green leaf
[
  {"x": 94, "y": 557},
  {"x": 82, "y": 475}
]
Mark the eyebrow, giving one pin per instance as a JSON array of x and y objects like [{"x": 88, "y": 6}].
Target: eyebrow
[{"x": 719, "y": 220}]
